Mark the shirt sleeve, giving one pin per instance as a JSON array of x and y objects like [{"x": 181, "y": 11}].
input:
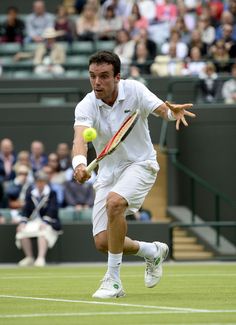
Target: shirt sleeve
[
  {"x": 84, "y": 114},
  {"x": 148, "y": 101}
]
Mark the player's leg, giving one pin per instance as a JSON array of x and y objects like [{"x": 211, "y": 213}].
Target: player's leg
[
  {"x": 143, "y": 176},
  {"x": 113, "y": 242},
  {"x": 107, "y": 221}
]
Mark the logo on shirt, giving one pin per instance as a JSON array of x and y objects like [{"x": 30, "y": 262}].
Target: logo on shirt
[{"x": 127, "y": 110}]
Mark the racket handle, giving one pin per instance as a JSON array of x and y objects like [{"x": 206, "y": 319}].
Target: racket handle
[{"x": 92, "y": 166}]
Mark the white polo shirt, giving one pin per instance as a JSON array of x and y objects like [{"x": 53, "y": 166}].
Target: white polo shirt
[{"x": 137, "y": 147}]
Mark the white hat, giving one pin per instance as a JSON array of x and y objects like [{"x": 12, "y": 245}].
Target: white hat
[{"x": 50, "y": 32}]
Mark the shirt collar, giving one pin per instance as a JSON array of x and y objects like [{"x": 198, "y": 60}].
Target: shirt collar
[{"x": 120, "y": 97}]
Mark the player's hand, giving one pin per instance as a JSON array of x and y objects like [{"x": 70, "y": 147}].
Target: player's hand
[
  {"x": 179, "y": 111},
  {"x": 80, "y": 174}
]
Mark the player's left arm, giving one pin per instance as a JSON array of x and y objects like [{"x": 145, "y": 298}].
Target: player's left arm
[{"x": 176, "y": 112}]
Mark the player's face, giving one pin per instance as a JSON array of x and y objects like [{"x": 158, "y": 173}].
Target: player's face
[{"x": 103, "y": 82}]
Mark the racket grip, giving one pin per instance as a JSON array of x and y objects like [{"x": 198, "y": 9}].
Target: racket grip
[{"x": 92, "y": 166}]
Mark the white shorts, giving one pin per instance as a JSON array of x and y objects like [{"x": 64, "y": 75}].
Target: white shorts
[{"x": 133, "y": 184}]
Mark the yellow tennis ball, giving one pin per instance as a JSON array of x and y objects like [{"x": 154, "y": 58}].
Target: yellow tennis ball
[{"x": 89, "y": 134}]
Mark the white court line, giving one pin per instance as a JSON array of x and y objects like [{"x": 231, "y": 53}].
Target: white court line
[
  {"x": 109, "y": 313},
  {"x": 180, "y": 309},
  {"x": 50, "y": 276}
]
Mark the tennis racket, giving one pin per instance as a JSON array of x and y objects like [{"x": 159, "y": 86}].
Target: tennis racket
[{"x": 114, "y": 142}]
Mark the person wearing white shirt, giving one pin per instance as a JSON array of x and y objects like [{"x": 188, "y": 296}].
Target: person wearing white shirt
[
  {"x": 229, "y": 88},
  {"x": 125, "y": 177}
]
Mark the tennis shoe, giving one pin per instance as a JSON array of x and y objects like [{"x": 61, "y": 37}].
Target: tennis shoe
[
  {"x": 27, "y": 261},
  {"x": 153, "y": 272},
  {"x": 40, "y": 262},
  {"x": 109, "y": 288}
]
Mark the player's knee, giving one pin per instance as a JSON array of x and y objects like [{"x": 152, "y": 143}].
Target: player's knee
[
  {"x": 101, "y": 243},
  {"x": 115, "y": 204}
]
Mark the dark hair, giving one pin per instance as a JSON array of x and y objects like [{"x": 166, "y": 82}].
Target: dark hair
[
  {"x": 106, "y": 57},
  {"x": 12, "y": 8}
]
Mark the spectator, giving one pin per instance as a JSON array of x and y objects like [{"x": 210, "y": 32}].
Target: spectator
[
  {"x": 37, "y": 22},
  {"x": 23, "y": 158},
  {"x": 110, "y": 24},
  {"x": 121, "y": 7},
  {"x": 87, "y": 25},
  {"x": 147, "y": 9},
  {"x": 12, "y": 30},
  {"x": 196, "y": 40},
  {"x": 16, "y": 192},
  {"x": 124, "y": 48},
  {"x": 130, "y": 26},
  {"x": 58, "y": 175},
  {"x": 168, "y": 65},
  {"x": 195, "y": 64},
  {"x": 227, "y": 19},
  {"x": 57, "y": 187},
  {"x": 49, "y": 55},
  {"x": 181, "y": 26},
  {"x": 38, "y": 158},
  {"x": 142, "y": 58},
  {"x": 209, "y": 84},
  {"x": 64, "y": 155},
  {"x": 166, "y": 11},
  {"x": 7, "y": 160},
  {"x": 39, "y": 219},
  {"x": 151, "y": 45},
  {"x": 220, "y": 56},
  {"x": 63, "y": 23},
  {"x": 181, "y": 48},
  {"x": 212, "y": 7},
  {"x": 232, "y": 8},
  {"x": 187, "y": 12},
  {"x": 134, "y": 22},
  {"x": 79, "y": 196},
  {"x": 206, "y": 29},
  {"x": 229, "y": 88}
]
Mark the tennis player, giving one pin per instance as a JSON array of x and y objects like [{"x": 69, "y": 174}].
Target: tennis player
[{"x": 126, "y": 176}]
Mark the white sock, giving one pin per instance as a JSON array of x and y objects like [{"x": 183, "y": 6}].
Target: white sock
[
  {"x": 114, "y": 264},
  {"x": 147, "y": 250}
]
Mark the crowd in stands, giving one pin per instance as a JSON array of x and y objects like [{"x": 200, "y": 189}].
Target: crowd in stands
[
  {"x": 159, "y": 37},
  {"x": 18, "y": 173},
  {"x": 17, "y": 179}
]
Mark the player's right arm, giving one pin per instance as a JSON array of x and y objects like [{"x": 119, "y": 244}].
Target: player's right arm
[{"x": 79, "y": 155}]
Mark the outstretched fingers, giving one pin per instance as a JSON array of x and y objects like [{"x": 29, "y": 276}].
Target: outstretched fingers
[{"x": 189, "y": 113}]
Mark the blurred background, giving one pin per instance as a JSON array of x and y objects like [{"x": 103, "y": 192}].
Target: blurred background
[{"x": 183, "y": 51}]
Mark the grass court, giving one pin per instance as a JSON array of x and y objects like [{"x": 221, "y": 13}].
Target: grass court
[{"x": 199, "y": 294}]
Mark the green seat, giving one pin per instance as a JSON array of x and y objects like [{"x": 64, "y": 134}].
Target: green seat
[
  {"x": 52, "y": 101},
  {"x": 22, "y": 74},
  {"x": 29, "y": 47},
  {"x": 86, "y": 215},
  {"x": 105, "y": 45},
  {"x": 3, "y": 18},
  {"x": 66, "y": 215},
  {"x": 73, "y": 74},
  {"x": 77, "y": 61},
  {"x": 9, "y": 48},
  {"x": 6, "y": 213},
  {"x": 82, "y": 47}
]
